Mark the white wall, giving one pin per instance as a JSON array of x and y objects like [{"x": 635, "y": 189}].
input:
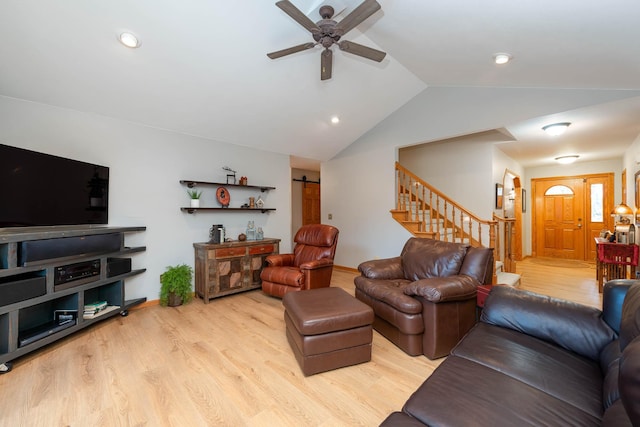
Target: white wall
[
  {"x": 358, "y": 184},
  {"x": 146, "y": 165},
  {"x": 631, "y": 162},
  {"x": 471, "y": 185},
  {"x": 359, "y": 192}
]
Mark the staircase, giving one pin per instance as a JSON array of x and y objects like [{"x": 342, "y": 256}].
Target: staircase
[{"x": 426, "y": 212}]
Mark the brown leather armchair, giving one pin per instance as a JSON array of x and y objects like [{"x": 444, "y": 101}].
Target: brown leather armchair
[
  {"x": 425, "y": 299},
  {"x": 308, "y": 267}
]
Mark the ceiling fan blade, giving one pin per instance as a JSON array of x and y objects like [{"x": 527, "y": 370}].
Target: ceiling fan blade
[
  {"x": 298, "y": 16},
  {"x": 359, "y": 14},
  {"x": 289, "y": 51},
  {"x": 360, "y": 50},
  {"x": 326, "y": 63}
]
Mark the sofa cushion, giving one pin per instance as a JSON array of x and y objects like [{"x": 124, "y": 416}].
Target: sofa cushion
[
  {"x": 290, "y": 276},
  {"x": 629, "y": 380},
  {"x": 610, "y": 387},
  {"x": 562, "y": 374},
  {"x": 570, "y": 325},
  {"x": 630, "y": 319},
  {"x": 478, "y": 263},
  {"x": 406, "y": 323},
  {"x": 461, "y": 392},
  {"x": 401, "y": 419},
  {"x": 616, "y": 416},
  {"x": 424, "y": 258},
  {"x": 390, "y": 292},
  {"x": 383, "y": 269}
]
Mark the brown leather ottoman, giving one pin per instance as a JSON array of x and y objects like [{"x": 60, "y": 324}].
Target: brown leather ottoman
[{"x": 327, "y": 329}]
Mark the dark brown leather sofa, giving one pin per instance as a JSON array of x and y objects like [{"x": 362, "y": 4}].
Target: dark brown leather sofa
[
  {"x": 425, "y": 299},
  {"x": 538, "y": 361}
]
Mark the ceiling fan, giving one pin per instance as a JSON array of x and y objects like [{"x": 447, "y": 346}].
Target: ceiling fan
[{"x": 328, "y": 32}]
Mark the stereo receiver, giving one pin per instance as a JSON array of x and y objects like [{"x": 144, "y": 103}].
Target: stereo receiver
[{"x": 66, "y": 276}]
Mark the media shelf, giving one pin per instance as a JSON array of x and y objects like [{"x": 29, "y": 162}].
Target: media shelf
[{"x": 48, "y": 275}]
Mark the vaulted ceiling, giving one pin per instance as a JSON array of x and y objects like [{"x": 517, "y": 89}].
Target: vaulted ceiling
[{"x": 202, "y": 67}]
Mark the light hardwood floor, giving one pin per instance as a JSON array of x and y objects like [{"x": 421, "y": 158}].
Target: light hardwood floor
[{"x": 226, "y": 363}]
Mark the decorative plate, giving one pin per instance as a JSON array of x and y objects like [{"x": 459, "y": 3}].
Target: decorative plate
[{"x": 223, "y": 196}]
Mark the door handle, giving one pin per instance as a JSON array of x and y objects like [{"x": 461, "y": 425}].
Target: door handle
[{"x": 579, "y": 222}]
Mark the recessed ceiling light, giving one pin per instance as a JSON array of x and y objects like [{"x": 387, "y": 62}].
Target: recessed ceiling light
[
  {"x": 501, "y": 58},
  {"x": 335, "y": 120},
  {"x": 566, "y": 160},
  {"x": 129, "y": 40},
  {"x": 556, "y": 129}
]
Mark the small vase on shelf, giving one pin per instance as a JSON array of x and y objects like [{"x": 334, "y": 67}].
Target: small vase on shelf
[{"x": 251, "y": 231}]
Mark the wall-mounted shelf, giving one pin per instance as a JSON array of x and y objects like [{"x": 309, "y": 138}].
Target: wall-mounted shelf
[
  {"x": 191, "y": 184},
  {"x": 193, "y": 210}
]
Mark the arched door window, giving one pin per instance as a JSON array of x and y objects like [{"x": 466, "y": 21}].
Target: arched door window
[{"x": 559, "y": 190}]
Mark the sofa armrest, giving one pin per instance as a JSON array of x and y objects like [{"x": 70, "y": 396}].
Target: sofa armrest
[
  {"x": 613, "y": 294},
  {"x": 317, "y": 263},
  {"x": 444, "y": 289},
  {"x": 279, "y": 260},
  {"x": 572, "y": 326},
  {"x": 382, "y": 269}
]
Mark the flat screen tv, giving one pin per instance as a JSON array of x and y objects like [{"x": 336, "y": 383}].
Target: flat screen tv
[{"x": 38, "y": 189}]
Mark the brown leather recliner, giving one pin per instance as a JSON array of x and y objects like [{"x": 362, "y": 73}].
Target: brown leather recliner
[
  {"x": 425, "y": 299},
  {"x": 308, "y": 267}
]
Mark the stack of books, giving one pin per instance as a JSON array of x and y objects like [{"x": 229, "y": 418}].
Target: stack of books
[{"x": 92, "y": 309}]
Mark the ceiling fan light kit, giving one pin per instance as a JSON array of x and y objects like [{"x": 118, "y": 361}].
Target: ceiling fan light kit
[{"x": 328, "y": 32}]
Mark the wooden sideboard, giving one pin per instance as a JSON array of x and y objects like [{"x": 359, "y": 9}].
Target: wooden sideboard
[{"x": 230, "y": 267}]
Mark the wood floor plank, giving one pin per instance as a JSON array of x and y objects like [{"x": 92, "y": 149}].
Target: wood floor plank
[{"x": 227, "y": 363}]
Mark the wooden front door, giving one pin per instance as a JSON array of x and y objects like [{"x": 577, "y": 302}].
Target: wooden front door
[
  {"x": 568, "y": 212},
  {"x": 559, "y": 218},
  {"x": 310, "y": 203}
]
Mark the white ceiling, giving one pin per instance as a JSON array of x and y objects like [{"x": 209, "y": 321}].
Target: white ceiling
[{"x": 202, "y": 68}]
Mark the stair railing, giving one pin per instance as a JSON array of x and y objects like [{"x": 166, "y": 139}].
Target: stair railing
[
  {"x": 427, "y": 212},
  {"x": 506, "y": 236}
]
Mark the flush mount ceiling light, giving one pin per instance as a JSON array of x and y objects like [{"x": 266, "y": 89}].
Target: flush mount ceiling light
[
  {"x": 566, "y": 160},
  {"x": 129, "y": 40},
  {"x": 501, "y": 58},
  {"x": 556, "y": 129},
  {"x": 335, "y": 120}
]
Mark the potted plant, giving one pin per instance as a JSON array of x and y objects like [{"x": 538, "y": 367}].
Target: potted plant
[
  {"x": 175, "y": 286},
  {"x": 195, "y": 197}
]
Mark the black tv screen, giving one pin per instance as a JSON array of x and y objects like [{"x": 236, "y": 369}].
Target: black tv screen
[{"x": 38, "y": 189}]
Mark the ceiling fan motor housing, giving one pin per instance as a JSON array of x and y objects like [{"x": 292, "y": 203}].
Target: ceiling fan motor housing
[{"x": 328, "y": 32}]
